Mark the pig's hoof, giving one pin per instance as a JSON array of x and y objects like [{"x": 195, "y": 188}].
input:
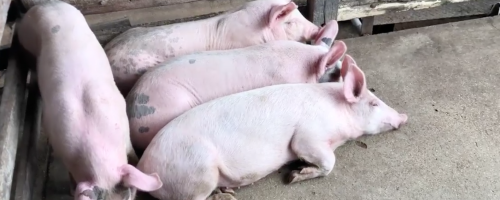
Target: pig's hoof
[
  {"x": 303, "y": 174},
  {"x": 293, "y": 176},
  {"x": 227, "y": 190},
  {"x": 222, "y": 196}
]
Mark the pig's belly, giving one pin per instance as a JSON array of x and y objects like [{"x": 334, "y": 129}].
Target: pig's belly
[{"x": 253, "y": 164}]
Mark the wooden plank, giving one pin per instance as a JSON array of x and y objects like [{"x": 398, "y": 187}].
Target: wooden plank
[
  {"x": 8, "y": 35},
  {"x": 170, "y": 12},
  {"x": 418, "y": 24},
  {"x": 4, "y": 9},
  {"x": 11, "y": 108},
  {"x": 446, "y": 11},
  {"x": 32, "y": 156},
  {"x": 360, "y": 9},
  {"x": 105, "y": 6}
]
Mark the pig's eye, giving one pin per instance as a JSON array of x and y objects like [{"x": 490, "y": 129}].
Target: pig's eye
[
  {"x": 373, "y": 103},
  {"x": 288, "y": 23}
]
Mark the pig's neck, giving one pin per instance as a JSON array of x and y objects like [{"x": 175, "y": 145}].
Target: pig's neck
[{"x": 219, "y": 36}]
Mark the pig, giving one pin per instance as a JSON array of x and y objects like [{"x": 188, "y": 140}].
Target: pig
[
  {"x": 184, "y": 82},
  {"x": 84, "y": 114},
  {"x": 139, "y": 49},
  {"x": 238, "y": 139}
]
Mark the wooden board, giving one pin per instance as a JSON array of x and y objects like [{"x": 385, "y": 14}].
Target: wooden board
[
  {"x": 446, "y": 11},
  {"x": 8, "y": 35},
  {"x": 11, "y": 120},
  {"x": 33, "y": 151},
  {"x": 360, "y": 9},
  {"x": 105, "y": 6},
  {"x": 171, "y": 12},
  {"x": 4, "y": 9}
]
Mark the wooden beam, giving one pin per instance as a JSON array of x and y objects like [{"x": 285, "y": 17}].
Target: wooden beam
[
  {"x": 367, "y": 25},
  {"x": 4, "y": 9},
  {"x": 8, "y": 35},
  {"x": 373, "y": 8},
  {"x": 316, "y": 11},
  {"x": 331, "y": 10},
  {"x": 33, "y": 150},
  {"x": 453, "y": 10},
  {"x": 348, "y": 9},
  {"x": 88, "y": 7},
  {"x": 11, "y": 120}
]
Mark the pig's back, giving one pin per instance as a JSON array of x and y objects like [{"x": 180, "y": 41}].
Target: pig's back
[{"x": 213, "y": 74}]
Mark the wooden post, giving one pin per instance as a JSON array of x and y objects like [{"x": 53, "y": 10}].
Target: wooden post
[
  {"x": 367, "y": 25},
  {"x": 331, "y": 10},
  {"x": 11, "y": 120},
  {"x": 322, "y": 11},
  {"x": 4, "y": 9}
]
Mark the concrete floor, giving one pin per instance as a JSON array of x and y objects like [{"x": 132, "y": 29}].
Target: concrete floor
[{"x": 446, "y": 78}]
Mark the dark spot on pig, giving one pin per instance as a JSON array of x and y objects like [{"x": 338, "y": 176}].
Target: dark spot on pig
[
  {"x": 55, "y": 29},
  {"x": 372, "y": 90},
  {"x": 143, "y": 129},
  {"x": 136, "y": 107},
  {"x": 361, "y": 144},
  {"x": 141, "y": 98},
  {"x": 141, "y": 71},
  {"x": 139, "y": 111},
  {"x": 436, "y": 110},
  {"x": 327, "y": 41},
  {"x": 191, "y": 61}
]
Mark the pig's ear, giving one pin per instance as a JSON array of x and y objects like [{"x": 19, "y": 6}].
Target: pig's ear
[
  {"x": 354, "y": 79},
  {"x": 336, "y": 52},
  {"x": 132, "y": 177},
  {"x": 279, "y": 13},
  {"x": 327, "y": 34}
]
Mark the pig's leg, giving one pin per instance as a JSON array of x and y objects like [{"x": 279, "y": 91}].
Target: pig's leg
[{"x": 314, "y": 151}]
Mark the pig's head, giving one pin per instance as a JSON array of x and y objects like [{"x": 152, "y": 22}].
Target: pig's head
[
  {"x": 131, "y": 180},
  {"x": 263, "y": 21},
  {"x": 371, "y": 114}
]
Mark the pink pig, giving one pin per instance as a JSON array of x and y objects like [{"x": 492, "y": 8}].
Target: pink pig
[
  {"x": 256, "y": 22},
  {"x": 83, "y": 111},
  {"x": 180, "y": 84},
  {"x": 238, "y": 139}
]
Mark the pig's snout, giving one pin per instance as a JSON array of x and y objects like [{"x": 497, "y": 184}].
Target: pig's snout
[{"x": 399, "y": 121}]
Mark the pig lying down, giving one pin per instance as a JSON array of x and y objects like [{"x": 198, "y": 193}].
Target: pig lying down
[
  {"x": 83, "y": 110},
  {"x": 180, "y": 84},
  {"x": 256, "y": 22},
  {"x": 236, "y": 140}
]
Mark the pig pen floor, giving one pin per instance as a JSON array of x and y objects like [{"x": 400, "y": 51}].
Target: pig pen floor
[{"x": 446, "y": 78}]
